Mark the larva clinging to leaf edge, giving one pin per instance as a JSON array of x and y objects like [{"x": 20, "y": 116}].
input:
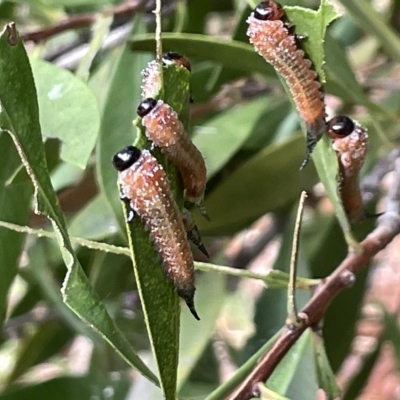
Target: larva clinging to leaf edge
[{"x": 145, "y": 190}]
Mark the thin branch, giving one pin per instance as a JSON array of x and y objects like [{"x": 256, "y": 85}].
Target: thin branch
[
  {"x": 388, "y": 226},
  {"x": 292, "y": 318},
  {"x": 124, "y": 10},
  {"x": 108, "y": 248},
  {"x": 273, "y": 278},
  {"x": 158, "y": 33}
]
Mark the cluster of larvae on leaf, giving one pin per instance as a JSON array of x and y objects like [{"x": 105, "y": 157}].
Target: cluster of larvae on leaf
[
  {"x": 145, "y": 188},
  {"x": 271, "y": 35}
]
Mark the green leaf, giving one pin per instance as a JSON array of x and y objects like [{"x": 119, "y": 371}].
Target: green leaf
[
  {"x": 116, "y": 130},
  {"x": 286, "y": 369},
  {"x": 68, "y": 111},
  {"x": 95, "y": 221},
  {"x": 50, "y": 337},
  {"x": 269, "y": 181},
  {"x": 19, "y": 103},
  {"x": 228, "y": 131},
  {"x": 342, "y": 76},
  {"x": 223, "y": 390},
  {"x": 303, "y": 385},
  {"x": 313, "y": 25},
  {"x": 64, "y": 388},
  {"x": 159, "y": 301},
  {"x": 194, "y": 338},
  {"x": 325, "y": 376},
  {"x": 100, "y": 29},
  {"x": 230, "y": 53},
  {"x": 371, "y": 21},
  {"x": 14, "y": 207},
  {"x": 268, "y": 394}
]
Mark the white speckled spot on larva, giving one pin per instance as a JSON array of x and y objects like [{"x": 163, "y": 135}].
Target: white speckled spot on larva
[
  {"x": 166, "y": 131},
  {"x": 145, "y": 186},
  {"x": 273, "y": 41},
  {"x": 151, "y": 74},
  {"x": 349, "y": 140}
]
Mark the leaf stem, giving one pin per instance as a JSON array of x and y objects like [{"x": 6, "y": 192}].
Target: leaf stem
[
  {"x": 292, "y": 318},
  {"x": 158, "y": 33}
]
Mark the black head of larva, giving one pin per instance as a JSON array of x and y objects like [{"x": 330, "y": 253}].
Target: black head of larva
[
  {"x": 339, "y": 127},
  {"x": 268, "y": 11},
  {"x": 126, "y": 157},
  {"x": 175, "y": 58},
  {"x": 146, "y": 106}
]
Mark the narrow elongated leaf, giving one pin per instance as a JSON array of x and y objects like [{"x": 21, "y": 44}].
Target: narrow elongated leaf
[
  {"x": 159, "y": 301},
  {"x": 117, "y": 131},
  {"x": 340, "y": 73},
  {"x": 369, "y": 20},
  {"x": 230, "y": 53},
  {"x": 194, "y": 338},
  {"x": 14, "y": 207},
  {"x": 223, "y": 390},
  {"x": 286, "y": 369},
  {"x": 47, "y": 340},
  {"x": 269, "y": 181},
  {"x": 95, "y": 221},
  {"x": 227, "y": 131},
  {"x": 64, "y": 388},
  {"x": 325, "y": 376},
  {"x": 268, "y": 394},
  {"x": 100, "y": 29},
  {"x": 19, "y": 101}
]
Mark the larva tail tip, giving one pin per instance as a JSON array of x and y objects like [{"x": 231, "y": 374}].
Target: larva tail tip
[
  {"x": 188, "y": 296},
  {"x": 190, "y": 303},
  {"x": 202, "y": 248},
  {"x": 305, "y": 161},
  {"x": 193, "y": 311},
  {"x": 314, "y": 133},
  {"x": 203, "y": 212},
  {"x": 371, "y": 216}
]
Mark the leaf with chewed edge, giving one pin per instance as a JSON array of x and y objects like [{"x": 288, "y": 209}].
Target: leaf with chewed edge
[{"x": 20, "y": 107}]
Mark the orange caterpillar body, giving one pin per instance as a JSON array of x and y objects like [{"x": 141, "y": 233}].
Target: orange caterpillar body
[
  {"x": 273, "y": 41},
  {"x": 151, "y": 74},
  {"x": 349, "y": 140},
  {"x": 145, "y": 190},
  {"x": 166, "y": 131}
]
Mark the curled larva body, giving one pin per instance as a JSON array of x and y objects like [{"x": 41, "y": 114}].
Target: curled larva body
[
  {"x": 145, "y": 188},
  {"x": 273, "y": 41},
  {"x": 151, "y": 74},
  {"x": 166, "y": 131},
  {"x": 349, "y": 140}
]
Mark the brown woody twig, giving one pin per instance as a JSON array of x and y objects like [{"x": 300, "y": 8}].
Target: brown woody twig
[
  {"x": 124, "y": 10},
  {"x": 388, "y": 226}
]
